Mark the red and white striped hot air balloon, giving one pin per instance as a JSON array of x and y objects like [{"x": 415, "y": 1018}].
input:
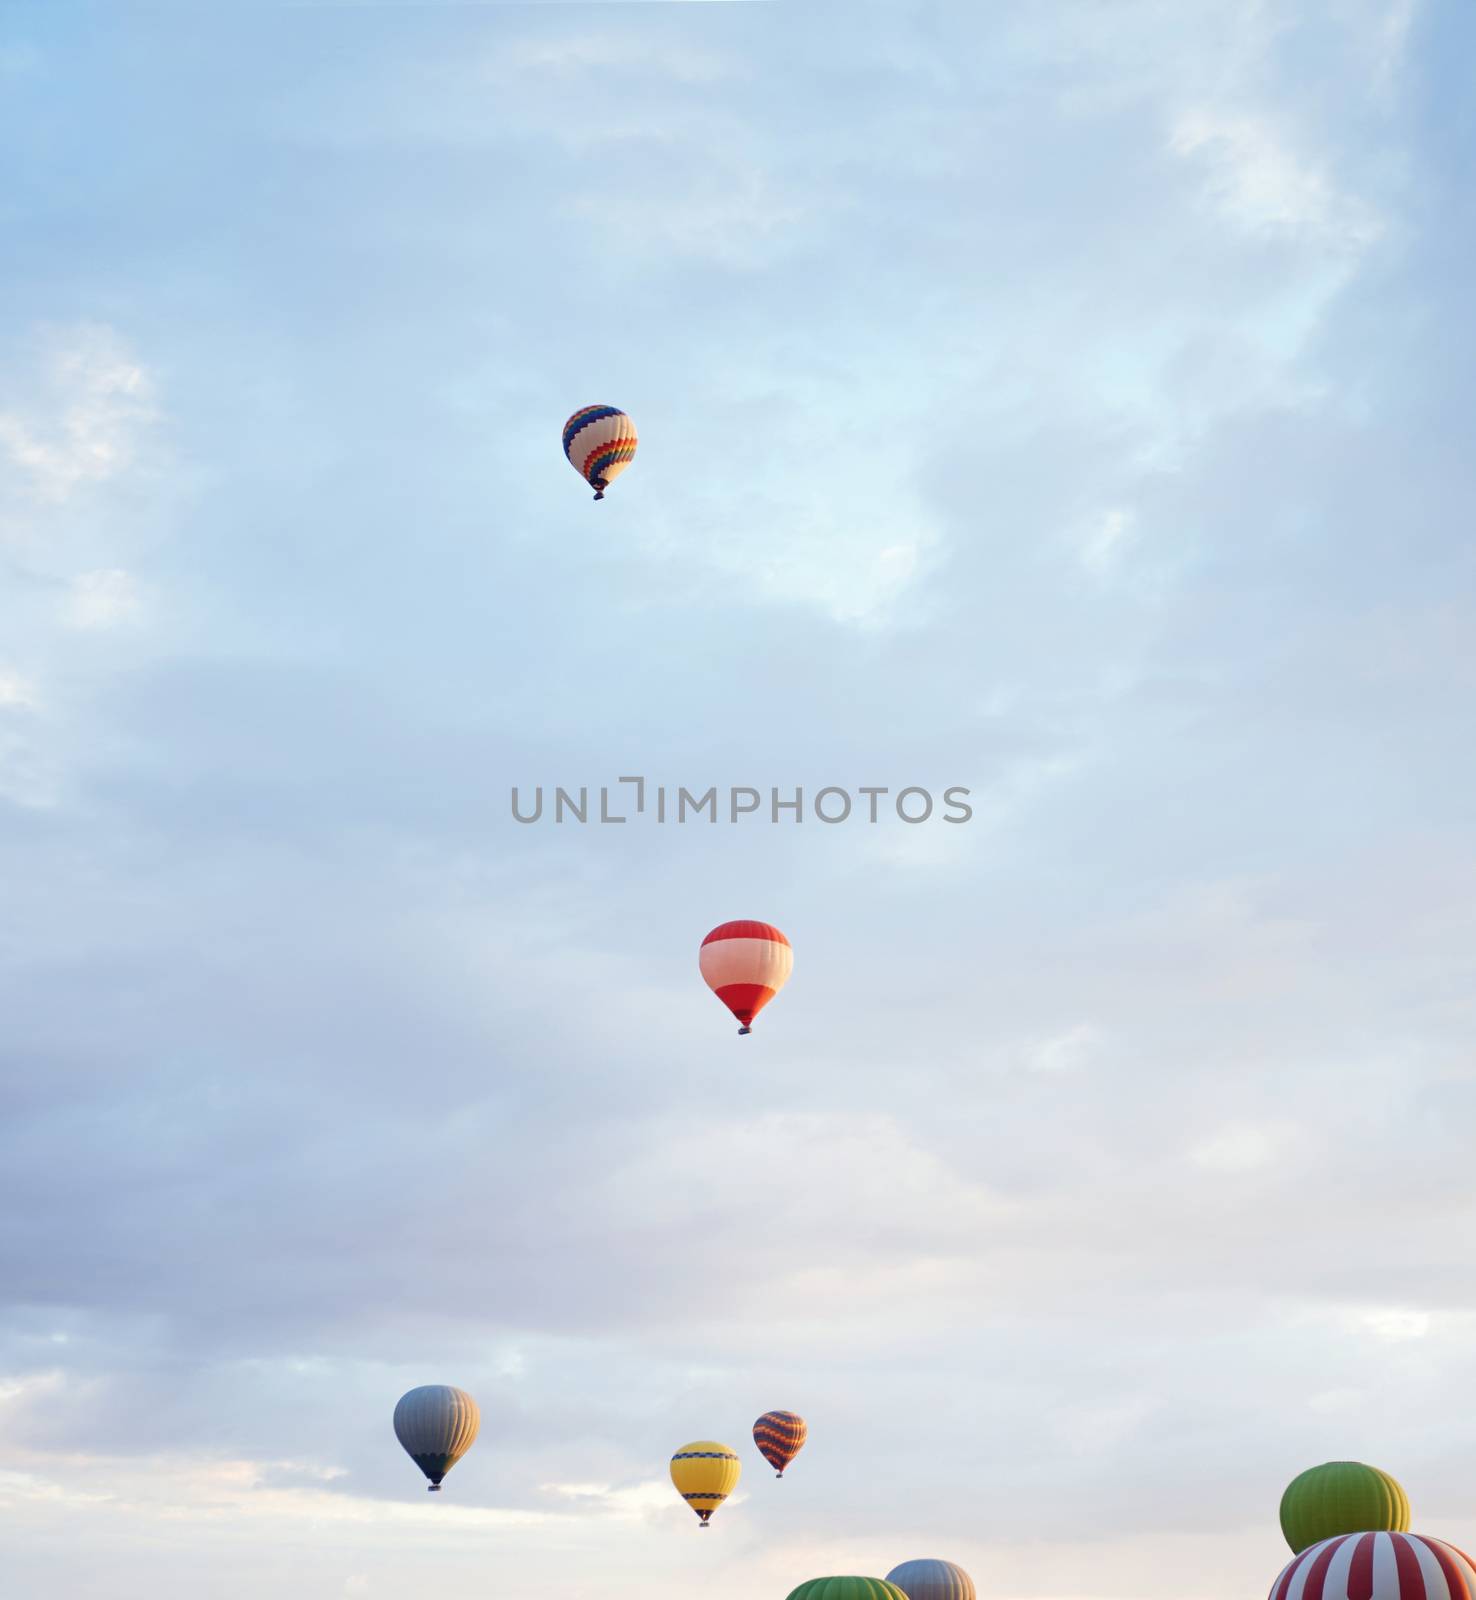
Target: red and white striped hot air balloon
[
  {"x": 1378, "y": 1566},
  {"x": 746, "y": 964}
]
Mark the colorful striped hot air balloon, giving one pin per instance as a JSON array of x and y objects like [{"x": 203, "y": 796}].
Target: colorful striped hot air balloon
[
  {"x": 600, "y": 442},
  {"x": 847, "y": 1589},
  {"x": 746, "y": 964},
  {"x": 780, "y": 1436},
  {"x": 1378, "y": 1566},
  {"x": 437, "y": 1425},
  {"x": 1341, "y": 1497},
  {"x": 932, "y": 1580},
  {"x": 705, "y": 1474}
]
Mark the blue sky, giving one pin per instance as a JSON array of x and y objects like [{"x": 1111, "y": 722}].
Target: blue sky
[{"x": 1068, "y": 401}]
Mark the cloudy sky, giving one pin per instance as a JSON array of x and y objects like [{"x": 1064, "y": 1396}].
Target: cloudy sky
[{"x": 1066, "y": 400}]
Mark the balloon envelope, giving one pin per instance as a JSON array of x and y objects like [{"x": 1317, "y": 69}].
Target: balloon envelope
[
  {"x": 780, "y": 1436},
  {"x": 745, "y": 964},
  {"x": 1341, "y": 1497},
  {"x": 847, "y": 1589},
  {"x": 705, "y": 1474},
  {"x": 600, "y": 442},
  {"x": 437, "y": 1425},
  {"x": 1377, "y": 1566},
  {"x": 932, "y": 1580}
]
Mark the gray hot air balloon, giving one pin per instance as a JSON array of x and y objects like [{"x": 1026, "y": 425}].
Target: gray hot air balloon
[
  {"x": 932, "y": 1580},
  {"x": 437, "y": 1426}
]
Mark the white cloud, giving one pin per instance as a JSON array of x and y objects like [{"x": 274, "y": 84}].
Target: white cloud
[
  {"x": 27, "y": 775},
  {"x": 628, "y": 1502},
  {"x": 266, "y": 1492},
  {"x": 855, "y": 548},
  {"x": 1008, "y": 799},
  {"x": 1089, "y": 1430},
  {"x": 1069, "y": 1051},
  {"x": 1335, "y": 1400},
  {"x": 739, "y": 216},
  {"x": 1393, "y": 36},
  {"x": 81, "y": 492},
  {"x": 1261, "y": 184},
  {"x": 16, "y": 693},
  {"x": 85, "y": 419},
  {"x": 1240, "y": 1148},
  {"x": 601, "y": 53},
  {"x": 1380, "y": 30},
  {"x": 930, "y": 847},
  {"x": 1107, "y": 540},
  {"x": 102, "y": 599},
  {"x": 659, "y": 165},
  {"x": 1395, "y": 1325},
  {"x": 849, "y": 571}
]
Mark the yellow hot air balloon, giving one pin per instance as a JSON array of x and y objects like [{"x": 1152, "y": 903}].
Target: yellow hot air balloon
[{"x": 705, "y": 1474}]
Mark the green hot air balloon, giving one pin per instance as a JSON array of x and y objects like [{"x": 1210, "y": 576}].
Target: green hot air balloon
[
  {"x": 847, "y": 1589},
  {"x": 1341, "y": 1497}
]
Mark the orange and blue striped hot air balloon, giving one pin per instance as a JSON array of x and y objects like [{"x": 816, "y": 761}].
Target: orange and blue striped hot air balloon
[
  {"x": 600, "y": 442},
  {"x": 780, "y": 1436},
  {"x": 745, "y": 964}
]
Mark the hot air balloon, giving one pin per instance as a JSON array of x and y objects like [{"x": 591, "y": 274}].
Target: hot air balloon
[
  {"x": 746, "y": 964},
  {"x": 1341, "y": 1497},
  {"x": 932, "y": 1580},
  {"x": 1377, "y": 1566},
  {"x": 780, "y": 1436},
  {"x": 437, "y": 1425},
  {"x": 847, "y": 1589},
  {"x": 600, "y": 442},
  {"x": 705, "y": 1474}
]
